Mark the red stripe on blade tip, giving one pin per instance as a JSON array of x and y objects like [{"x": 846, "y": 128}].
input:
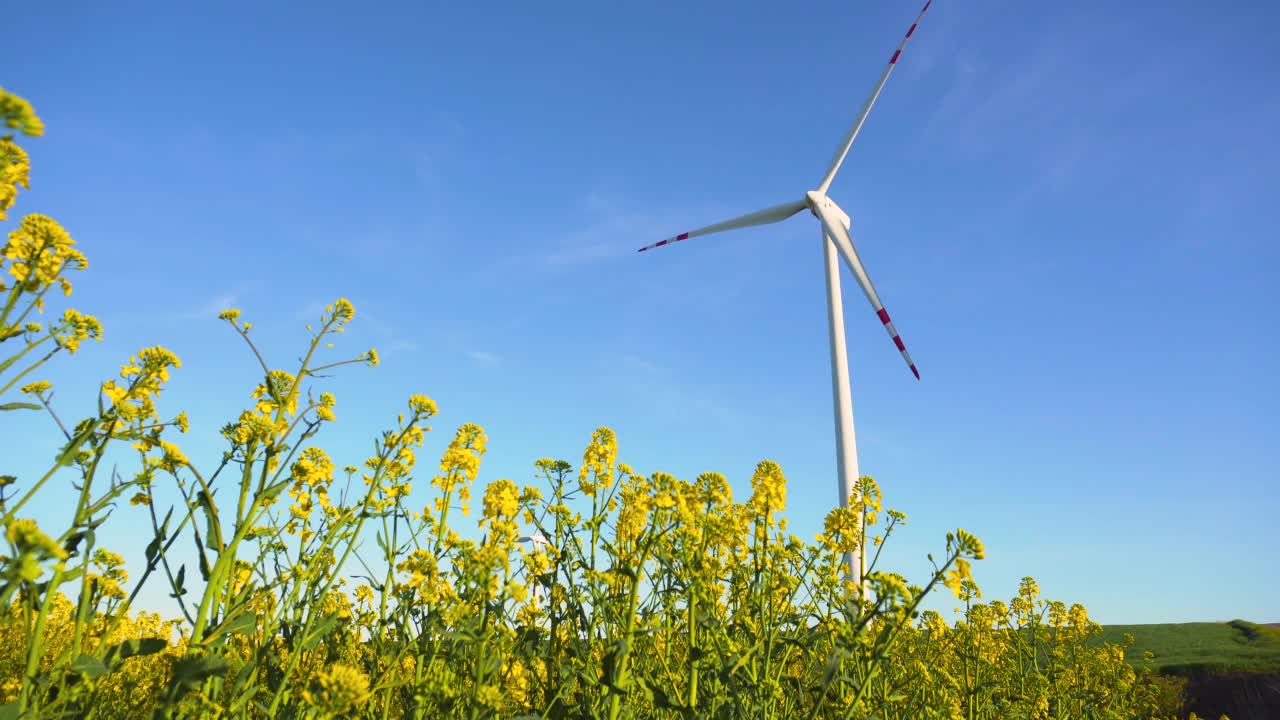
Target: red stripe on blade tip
[
  {"x": 893, "y": 60},
  {"x": 682, "y": 236},
  {"x": 898, "y": 341},
  {"x": 914, "y": 371},
  {"x": 883, "y": 315},
  {"x": 913, "y": 29}
]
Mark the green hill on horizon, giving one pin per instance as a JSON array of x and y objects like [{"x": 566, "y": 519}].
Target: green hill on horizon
[{"x": 1202, "y": 647}]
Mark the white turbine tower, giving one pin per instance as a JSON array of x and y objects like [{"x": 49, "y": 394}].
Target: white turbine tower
[{"x": 835, "y": 233}]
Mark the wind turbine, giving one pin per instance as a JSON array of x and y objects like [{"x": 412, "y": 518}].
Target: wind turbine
[{"x": 835, "y": 233}]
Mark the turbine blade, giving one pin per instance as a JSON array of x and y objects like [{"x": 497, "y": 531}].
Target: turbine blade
[
  {"x": 774, "y": 214},
  {"x": 849, "y": 136},
  {"x": 833, "y": 224}
]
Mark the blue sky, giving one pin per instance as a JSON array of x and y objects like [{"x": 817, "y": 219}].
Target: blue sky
[{"x": 1069, "y": 209}]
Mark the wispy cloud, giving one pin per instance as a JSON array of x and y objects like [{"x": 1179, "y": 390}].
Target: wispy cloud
[
  {"x": 992, "y": 106},
  {"x": 487, "y": 359},
  {"x": 606, "y": 228},
  {"x": 210, "y": 309},
  {"x": 312, "y": 310},
  {"x": 662, "y": 388},
  {"x": 605, "y": 238},
  {"x": 636, "y": 364}
]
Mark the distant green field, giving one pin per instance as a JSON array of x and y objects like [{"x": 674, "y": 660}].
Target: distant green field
[{"x": 1191, "y": 648}]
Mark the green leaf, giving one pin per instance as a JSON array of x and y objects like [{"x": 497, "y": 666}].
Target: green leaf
[
  {"x": 833, "y": 666},
  {"x": 88, "y": 666},
  {"x": 661, "y": 700},
  {"x": 245, "y": 622},
  {"x": 189, "y": 672},
  {"x": 212, "y": 528},
  {"x": 153, "y": 548},
  {"x": 131, "y": 648},
  {"x": 9, "y": 711},
  {"x": 320, "y": 631},
  {"x": 204, "y": 564},
  {"x": 179, "y": 582},
  {"x": 273, "y": 491},
  {"x": 71, "y": 575},
  {"x": 73, "y": 541},
  {"x": 612, "y": 666},
  {"x": 19, "y": 406}
]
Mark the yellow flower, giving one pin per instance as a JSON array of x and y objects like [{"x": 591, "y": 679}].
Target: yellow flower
[
  {"x": 325, "y": 409},
  {"x": 371, "y": 357},
  {"x": 501, "y": 500},
  {"x": 840, "y": 531},
  {"x": 489, "y": 696},
  {"x": 956, "y": 577},
  {"x": 768, "y": 489},
  {"x": 33, "y": 547},
  {"x": 279, "y": 389},
  {"x": 15, "y": 172},
  {"x": 867, "y": 495},
  {"x": 39, "y": 249},
  {"x": 230, "y": 315},
  {"x": 460, "y": 462},
  {"x": 422, "y": 405},
  {"x": 36, "y": 388},
  {"x": 18, "y": 114},
  {"x": 313, "y": 467},
  {"x": 76, "y": 327},
  {"x": 1028, "y": 589},
  {"x": 598, "y": 461},
  {"x": 537, "y": 562},
  {"x": 966, "y": 544},
  {"x": 338, "y": 690},
  {"x": 172, "y": 459},
  {"x": 145, "y": 375},
  {"x": 1078, "y": 617},
  {"x": 250, "y": 428},
  {"x": 713, "y": 489},
  {"x": 15, "y": 166}
]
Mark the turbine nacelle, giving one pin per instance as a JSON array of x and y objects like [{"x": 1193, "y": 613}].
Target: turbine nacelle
[{"x": 815, "y": 199}]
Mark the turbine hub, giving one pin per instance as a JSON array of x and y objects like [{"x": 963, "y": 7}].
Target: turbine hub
[{"x": 817, "y": 199}]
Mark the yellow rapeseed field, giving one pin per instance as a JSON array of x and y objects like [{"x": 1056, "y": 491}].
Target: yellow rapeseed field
[{"x": 629, "y": 595}]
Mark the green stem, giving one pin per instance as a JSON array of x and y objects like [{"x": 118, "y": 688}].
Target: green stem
[
  {"x": 14, "y": 292},
  {"x": 35, "y": 647},
  {"x": 615, "y": 701},
  {"x": 18, "y": 378}
]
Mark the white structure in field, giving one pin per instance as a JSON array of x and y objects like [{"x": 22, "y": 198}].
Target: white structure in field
[{"x": 835, "y": 238}]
